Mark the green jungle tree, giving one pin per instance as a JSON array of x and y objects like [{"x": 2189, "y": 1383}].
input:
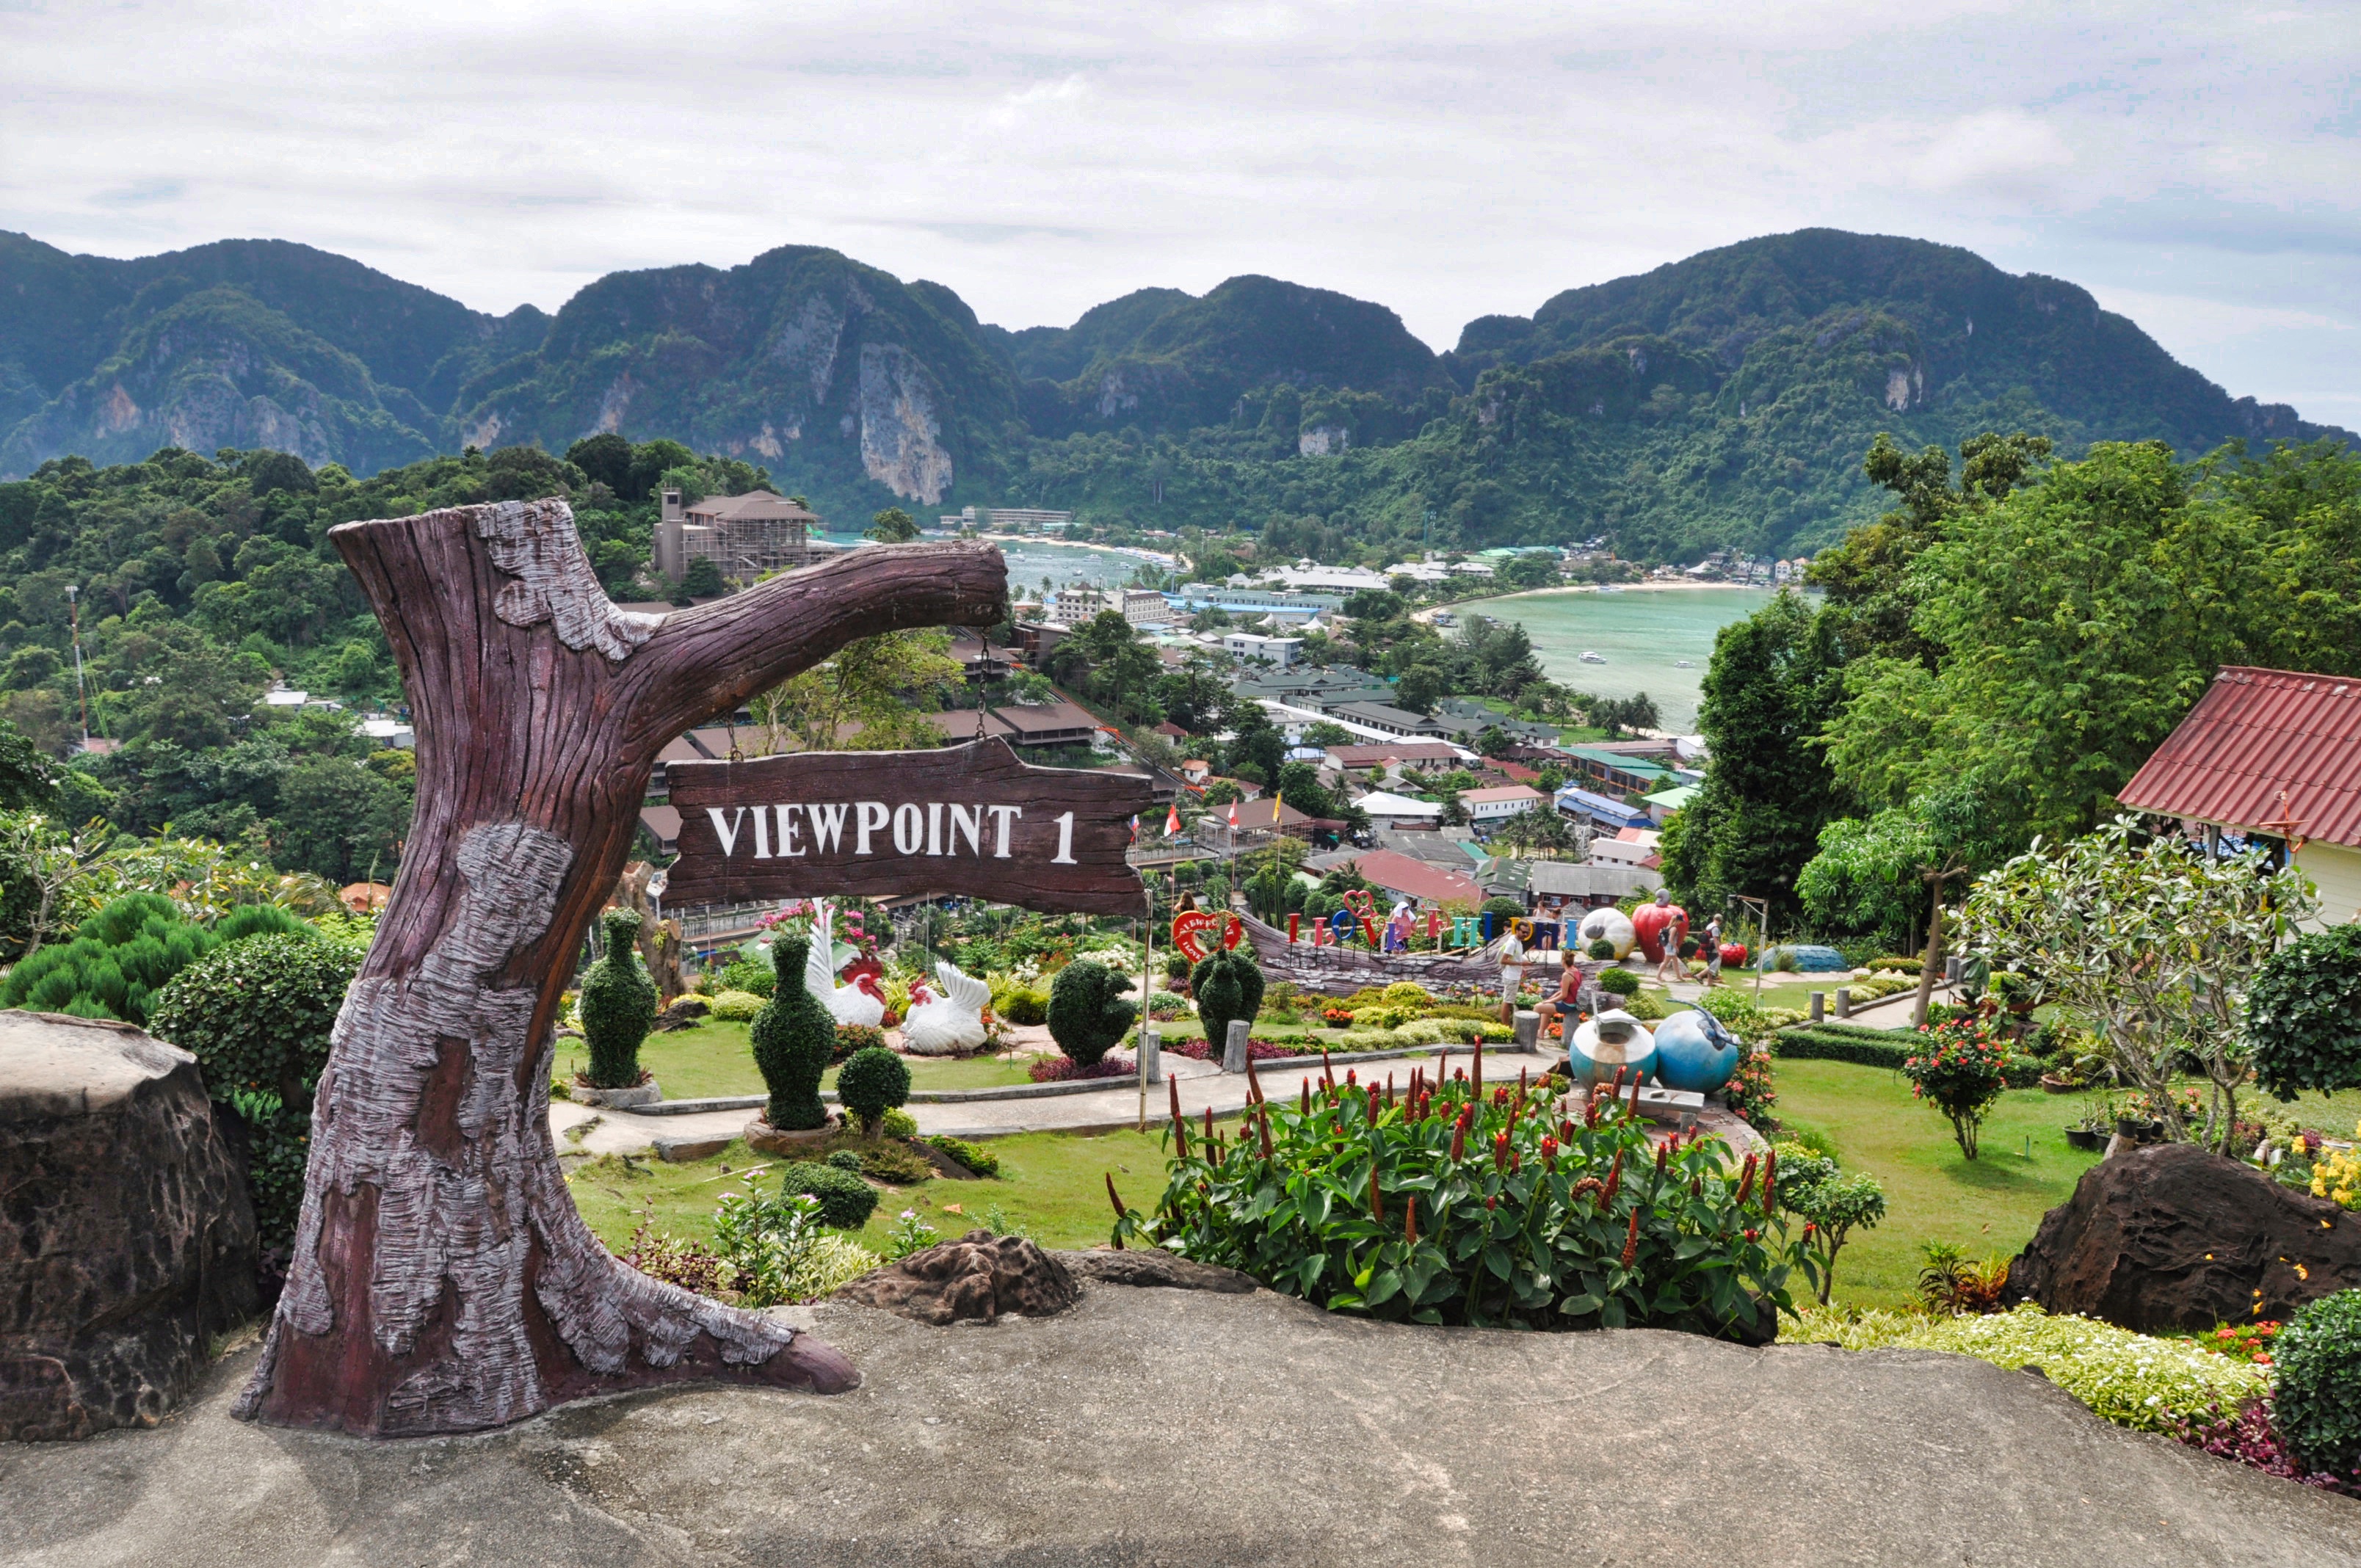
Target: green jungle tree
[
  {"x": 618, "y": 1005},
  {"x": 794, "y": 1037}
]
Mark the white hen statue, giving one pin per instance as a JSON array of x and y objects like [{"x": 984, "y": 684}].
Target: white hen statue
[
  {"x": 855, "y": 1003},
  {"x": 948, "y": 1025}
]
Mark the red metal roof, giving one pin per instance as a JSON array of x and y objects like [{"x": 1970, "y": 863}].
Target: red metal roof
[
  {"x": 1415, "y": 879},
  {"x": 2253, "y": 737}
]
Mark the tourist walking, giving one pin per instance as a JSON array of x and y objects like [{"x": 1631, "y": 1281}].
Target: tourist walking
[
  {"x": 1713, "y": 951},
  {"x": 1512, "y": 974}
]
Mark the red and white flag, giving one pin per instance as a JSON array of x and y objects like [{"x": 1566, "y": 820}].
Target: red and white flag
[
  {"x": 1233, "y": 816},
  {"x": 1172, "y": 821}
]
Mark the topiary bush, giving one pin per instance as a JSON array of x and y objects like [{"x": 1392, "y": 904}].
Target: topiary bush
[
  {"x": 2303, "y": 1014},
  {"x": 617, "y": 1006},
  {"x": 735, "y": 1006},
  {"x": 1619, "y": 982},
  {"x": 1024, "y": 1007},
  {"x": 793, "y": 1038},
  {"x": 1601, "y": 948},
  {"x": 750, "y": 975},
  {"x": 2317, "y": 1406},
  {"x": 1227, "y": 985},
  {"x": 257, "y": 1013},
  {"x": 119, "y": 958},
  {"x": 845, "y": 1201},
  {"x": 1087, "y": 1012},
  {"x": 873, "y": 1081}
]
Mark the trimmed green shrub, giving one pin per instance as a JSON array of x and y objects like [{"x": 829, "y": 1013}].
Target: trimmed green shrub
[
  {"x": 1824, "y": 1042},
  {"x": 845, "y": 1201},
  {"x": 975, "y": 1157},
  {"x": 2020, "y": 1071},
  {"x": 871, "y": 1082},
  {"x": 119, "y": 958},
  {"x": 2303, "y": 1014},
  {"x": 1089, "y": 1014},
  {"x": 734, "y": 1006},
  {"x": 1227, "y": 985},
  {"x": 844, "y": 1160},
  {"x": 888, "y": 1160},
  {"x": 1644, "y": 1007},
  {"x": 617, "y": 1006},
  {"x": 1619, "y": 982},
  {"x": 2318, "y": 1404},
  {"x": 1601, "y": 948},
  {"x": 257, "y": 1013},
  {"x": 748, "y": 975},
  {"x": 1024, "y": 1007},
  {"x": 793, "y": 1036},
  {"x": 1176, "y": 966},
  {"x": 901, "y": 1124}
]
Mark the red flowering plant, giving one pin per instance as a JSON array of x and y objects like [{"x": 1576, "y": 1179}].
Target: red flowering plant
[
  {"x": 1751, "y": 1094},
  {"x": 1960, "y": 1068},
  {"x": 1453, "y": 1200},
  {"x": 2243, "y": 1342}
]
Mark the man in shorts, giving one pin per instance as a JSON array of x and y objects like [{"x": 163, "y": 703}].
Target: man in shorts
[
  {"x": 1513, "y": 975},
  {"x": 1713, "y": 951}
]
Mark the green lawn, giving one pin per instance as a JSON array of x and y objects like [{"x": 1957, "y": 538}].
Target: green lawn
[
  {"x": 1051, "y": 1184},
  {"x": 1990, "y": 1205},
  {"x": 719, "y": 1059}
]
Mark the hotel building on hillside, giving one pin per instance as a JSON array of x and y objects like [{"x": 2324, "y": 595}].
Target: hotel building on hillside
[{"x": 745, "y": 536}]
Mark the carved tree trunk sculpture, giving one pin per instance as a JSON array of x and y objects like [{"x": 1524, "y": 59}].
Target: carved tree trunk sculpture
[
  {"x": 442, "y": 1279},
  {"x": 659, "y": 940}
]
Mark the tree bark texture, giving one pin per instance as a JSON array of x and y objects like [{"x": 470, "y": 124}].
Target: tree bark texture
[{"x": 442, "y": 1279}]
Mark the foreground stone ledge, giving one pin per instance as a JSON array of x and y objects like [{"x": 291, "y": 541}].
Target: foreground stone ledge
[{"x": 1188, "y": 1427}]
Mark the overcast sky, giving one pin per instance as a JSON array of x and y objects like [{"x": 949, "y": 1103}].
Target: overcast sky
[{"x": 2196, "y": 170}]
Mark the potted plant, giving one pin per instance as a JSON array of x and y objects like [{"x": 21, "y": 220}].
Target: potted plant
[
  {"x": 2134, "y": 1122},
  {"x": 1336, "y": 1017},
  {"x": 2090, "y": 1132}
]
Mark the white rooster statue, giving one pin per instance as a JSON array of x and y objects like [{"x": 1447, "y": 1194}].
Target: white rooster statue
[
  {"x": 948, "y": 1025},
  {"x": 856, "y": 1003}
]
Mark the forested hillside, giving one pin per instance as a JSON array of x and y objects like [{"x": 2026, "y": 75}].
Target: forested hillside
[{"x": 1721, "y": 401}]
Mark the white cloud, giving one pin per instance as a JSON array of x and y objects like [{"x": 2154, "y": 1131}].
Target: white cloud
[{"x": 1451, "y": 160}]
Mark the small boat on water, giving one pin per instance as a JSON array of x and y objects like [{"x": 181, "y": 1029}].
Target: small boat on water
[
  {"x": 1684, "y": 663},
  {"x": 1588, "y": 657}
]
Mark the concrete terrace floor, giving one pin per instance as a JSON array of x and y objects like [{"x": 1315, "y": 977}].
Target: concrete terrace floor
[{"x": 1154, "y": 1426}]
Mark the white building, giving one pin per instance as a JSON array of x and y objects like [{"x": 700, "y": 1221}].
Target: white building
[
  {"x": 1141, "y": 606},
  {"x": 1008, "y": 519},
  {"x": 1386, "y": 809},
  {"x": 1279, "y": 650},
  {"x": 1498, "y": 805},
  {"x": 1631, "y": 846}
]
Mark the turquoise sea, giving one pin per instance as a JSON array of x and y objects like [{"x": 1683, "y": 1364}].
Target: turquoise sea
[
  {"x": 1030, "y": 561},
  {"x": 1643, "y": 633}
]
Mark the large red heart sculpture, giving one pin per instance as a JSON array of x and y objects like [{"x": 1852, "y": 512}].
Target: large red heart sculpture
[{"x": 1191, "y": 927}]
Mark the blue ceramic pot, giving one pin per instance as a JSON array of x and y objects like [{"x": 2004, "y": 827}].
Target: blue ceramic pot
[{"x": 1695, "y": 1052}]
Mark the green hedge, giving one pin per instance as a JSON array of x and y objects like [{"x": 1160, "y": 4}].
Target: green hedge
[{"x": 1822, "y": 1042}]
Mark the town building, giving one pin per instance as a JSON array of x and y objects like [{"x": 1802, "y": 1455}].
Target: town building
[
  {"x": 1405, "y": 756},
  {"x": 1278, "y": 650},
  {"x": 1386, "y": 809},
  {"x": 1385, "y": 717},
  {"x": 2274, "y": 756},
  {"x": 745, "y": 536},
  {"x": 1557, "y": 887},
  {"x": 1008, "y": 519},
  {"x": 1492, "y": 806},
  {"x": 1632, "y": 846}
]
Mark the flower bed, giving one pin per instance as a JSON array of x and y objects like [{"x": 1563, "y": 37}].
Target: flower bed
[
  {"x": 2135, "y": 1380},
  {"x": 1065, "y": 1070},
  {"x": 1459, "y": 1204}
]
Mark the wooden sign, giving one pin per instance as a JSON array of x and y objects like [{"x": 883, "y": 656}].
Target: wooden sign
[{"x": 971, "y": 820}]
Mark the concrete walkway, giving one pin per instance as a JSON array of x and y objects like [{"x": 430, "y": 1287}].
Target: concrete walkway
[{"x": 1203, "y": 1084}]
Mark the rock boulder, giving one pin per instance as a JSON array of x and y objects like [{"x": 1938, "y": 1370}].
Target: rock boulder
[
  {"x": 2172, "y": 1237},
  {"x": 126, "y": 1237},
  {"x": 979, "y": 1276}
]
